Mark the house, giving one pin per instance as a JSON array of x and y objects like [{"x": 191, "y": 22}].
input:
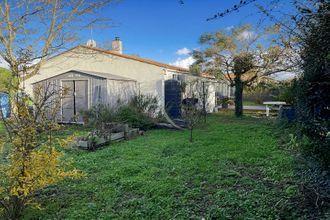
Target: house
[{"x": 94, "y": 75}]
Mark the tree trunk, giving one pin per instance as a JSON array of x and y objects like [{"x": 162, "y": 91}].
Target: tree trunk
[
  {"x": 16, "y": 208},
  {"x": 238, "y": 98}
]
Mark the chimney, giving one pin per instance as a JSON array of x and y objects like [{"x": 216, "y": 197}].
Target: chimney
[
  {"x": 91, "y": 43},
  {"x": 117, "y": 45}
]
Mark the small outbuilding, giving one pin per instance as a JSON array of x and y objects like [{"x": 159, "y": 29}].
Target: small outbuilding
[{"x": 85, "y": 89}]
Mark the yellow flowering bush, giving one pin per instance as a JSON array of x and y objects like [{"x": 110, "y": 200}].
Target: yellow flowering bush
[{"x": 33, "y": 160}]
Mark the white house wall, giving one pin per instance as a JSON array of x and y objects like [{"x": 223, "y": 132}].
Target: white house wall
[
  {"x": 120, "y": 92},
  {"x": 196, "y": 90},
  {"x": 149, "y": 77}
]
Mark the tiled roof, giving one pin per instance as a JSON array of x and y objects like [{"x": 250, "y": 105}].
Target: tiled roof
[
  {"x": 152, "y": 62},
  {"x": 143, "y": 60}
]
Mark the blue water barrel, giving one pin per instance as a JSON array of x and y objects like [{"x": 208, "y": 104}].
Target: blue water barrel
[
  {"x": 173, "y": 98},
  {"x": 4, "y": 104},
  {"x": 288, "y": 113}
]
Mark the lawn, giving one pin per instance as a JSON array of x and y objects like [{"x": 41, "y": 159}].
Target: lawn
[
  {"x": 234, "y": 169},
  {"x": 247, "y": 102}
]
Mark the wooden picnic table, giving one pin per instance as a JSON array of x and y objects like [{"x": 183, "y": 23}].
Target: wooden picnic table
[{"x": 276, "y": 103}]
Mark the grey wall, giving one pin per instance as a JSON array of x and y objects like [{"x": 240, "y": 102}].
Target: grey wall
[{"x": 100, "y": 90}]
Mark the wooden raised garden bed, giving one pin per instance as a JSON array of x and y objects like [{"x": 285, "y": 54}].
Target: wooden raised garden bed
[{"x": 93, "y": 140}]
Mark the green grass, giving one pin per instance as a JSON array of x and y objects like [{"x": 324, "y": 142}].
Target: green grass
[
  {"x": 234, "y": 169},
  {"x": 246, "y": 102},
  {"x": 5, "y": 76}
]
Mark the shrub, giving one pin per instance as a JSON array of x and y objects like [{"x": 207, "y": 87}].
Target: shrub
[
  {"x": 141, "y": 112},
  {"x": 286, "y": 92},
  {"x": 192, "y": 115},
  {"x": 98, "y": 116},
  {"x": 312, "y": 87},
  {"x": 134, "y": 117},
  {"x": 146, "y": 103},
  {"x": 31, "y": 160}
]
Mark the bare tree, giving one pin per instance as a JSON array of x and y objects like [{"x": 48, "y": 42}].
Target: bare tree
[
  {"x": 287, "y": 15},
  {"x": 202, "y": 90},
  {"x": 239, "y": 57},
  {"x": 192, "y": 109},
  {"x": 31, "y": 32}
]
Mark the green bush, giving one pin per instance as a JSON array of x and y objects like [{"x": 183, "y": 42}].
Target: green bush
[
  {"x": 312, "y": 87},
  {"x": 98, "y": 116},
  {"x": 141, "y": 112},
  {"x": 145, "y": 103},
  {"x": 286, "y": 92},
  {"x": 134, "y": 117}
]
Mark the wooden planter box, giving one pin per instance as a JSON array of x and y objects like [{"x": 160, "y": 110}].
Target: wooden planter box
[
  {"x": 82, "y": 144},
  {"x": 132, "y": 133},
  {"x": 101, "y": 141},
  {"x": 88, "y": 144},
  {"x": 117, "y": 136}
]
